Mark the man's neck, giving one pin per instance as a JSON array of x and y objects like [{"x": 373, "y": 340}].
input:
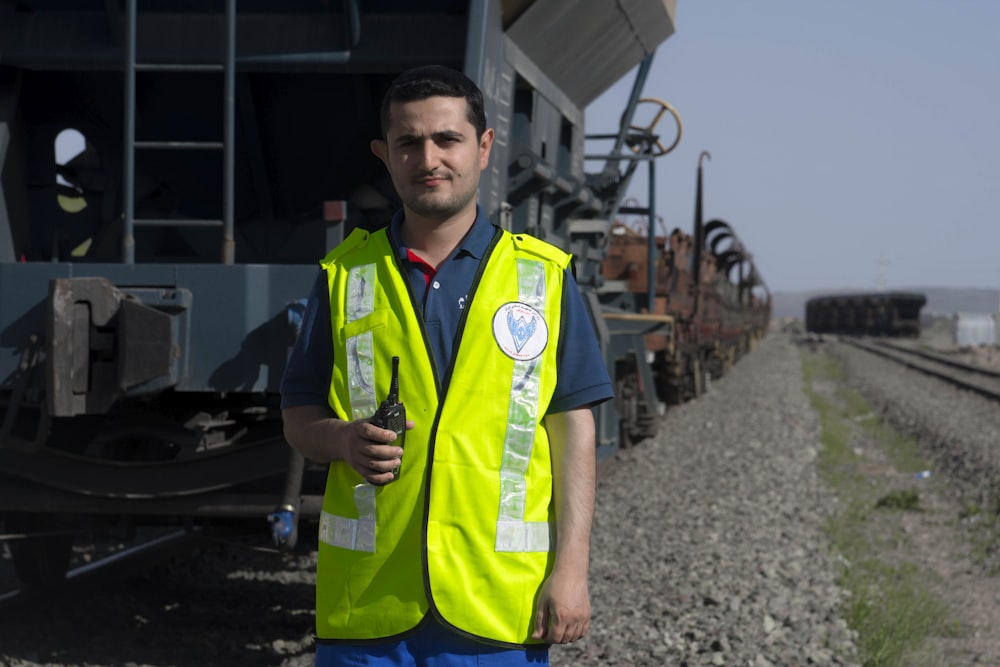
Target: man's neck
[{"x": 434, "y": 240}]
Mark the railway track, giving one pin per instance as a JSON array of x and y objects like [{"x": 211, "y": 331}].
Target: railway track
[
  {"x": 978, "y": 379},
  {"x": 108, "y": 568}
]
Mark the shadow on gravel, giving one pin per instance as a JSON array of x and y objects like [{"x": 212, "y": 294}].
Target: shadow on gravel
[{"x": 221, "y": 605}]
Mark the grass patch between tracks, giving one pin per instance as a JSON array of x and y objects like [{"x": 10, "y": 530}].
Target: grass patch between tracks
[
  {"x": 871, "y": 468},
  {"x": 985, "y": 541}
]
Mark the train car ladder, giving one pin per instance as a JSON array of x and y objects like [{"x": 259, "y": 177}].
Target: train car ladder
[{"x": 228, "y": 68}]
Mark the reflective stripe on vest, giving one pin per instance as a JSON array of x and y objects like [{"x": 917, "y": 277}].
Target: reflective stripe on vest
[
  {"x": 513, "y": 532},
  {"x": 355, "y": 534},
  {"x": 360, "y": 353},
  {"x": 341, "y": 531}
]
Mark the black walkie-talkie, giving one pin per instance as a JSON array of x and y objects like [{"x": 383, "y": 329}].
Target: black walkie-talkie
[{"x": 391, "y": 414}]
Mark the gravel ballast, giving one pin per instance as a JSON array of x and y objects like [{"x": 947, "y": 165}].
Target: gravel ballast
[{"x": 708, "y": 547}]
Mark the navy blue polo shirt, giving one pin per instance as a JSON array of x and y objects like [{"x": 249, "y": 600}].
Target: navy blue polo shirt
[{"x": 582, "y": 378}]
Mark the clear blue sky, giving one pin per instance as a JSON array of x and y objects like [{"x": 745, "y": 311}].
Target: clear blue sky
[{"x": 840, "y": 134}]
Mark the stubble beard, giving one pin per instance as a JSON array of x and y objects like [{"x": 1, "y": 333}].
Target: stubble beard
[{"x": 435, "y": 207}]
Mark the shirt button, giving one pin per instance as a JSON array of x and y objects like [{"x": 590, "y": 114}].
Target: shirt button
[{"x": 437, "y": 284}]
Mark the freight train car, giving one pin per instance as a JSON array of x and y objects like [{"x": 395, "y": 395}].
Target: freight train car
[
  {"x": 152, "y": 280},
  {"x": 873, "y": 314},
  {"x": 706, "y": 283}
]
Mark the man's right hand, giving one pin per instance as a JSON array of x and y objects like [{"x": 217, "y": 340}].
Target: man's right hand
[
  {"x": 368, "y": 449},
  {"x": 365, "y": 447}
]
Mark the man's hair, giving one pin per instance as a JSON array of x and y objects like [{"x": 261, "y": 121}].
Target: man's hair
[{"x": 421, "y": 83}]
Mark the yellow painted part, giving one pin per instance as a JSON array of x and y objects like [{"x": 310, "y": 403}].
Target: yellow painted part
[
  {"x": 82, "y": 249},
  {"x": 71, "y": 204}
]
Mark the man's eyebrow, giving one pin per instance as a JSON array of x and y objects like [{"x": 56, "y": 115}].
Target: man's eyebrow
[
  {"x": 437, "y": 136},
  {"x": 404, "y": 138}
]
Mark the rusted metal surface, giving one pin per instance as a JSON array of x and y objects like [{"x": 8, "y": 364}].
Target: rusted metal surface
[{"x": 707, "y": 282}]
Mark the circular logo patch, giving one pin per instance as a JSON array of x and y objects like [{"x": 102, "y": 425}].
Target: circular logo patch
[{"x": 520, "y": 331}]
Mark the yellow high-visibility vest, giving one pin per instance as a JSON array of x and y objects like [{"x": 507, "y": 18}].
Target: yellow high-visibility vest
[{"x": 467, "y": 531}]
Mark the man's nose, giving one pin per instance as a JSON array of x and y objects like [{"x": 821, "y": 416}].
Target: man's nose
[{"x": 430, "y": 155}]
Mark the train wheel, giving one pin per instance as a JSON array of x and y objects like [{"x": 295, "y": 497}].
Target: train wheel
[
  {"x": 624, "y": 438},
  {"x": 697, "y": 379},
  {"x": 42, "y": 555},
  {"x": 628, "y": 406},
  {"x": 635, "y": 421},
  {"x": 647, "y": 427},
  {"x": 669, "y": 382}
]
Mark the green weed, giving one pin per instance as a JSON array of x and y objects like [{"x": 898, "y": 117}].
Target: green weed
[{"x": 889, "y": 603}]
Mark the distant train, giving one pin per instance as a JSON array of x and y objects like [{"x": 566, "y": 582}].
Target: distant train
[{"x": 876, "y": 314}]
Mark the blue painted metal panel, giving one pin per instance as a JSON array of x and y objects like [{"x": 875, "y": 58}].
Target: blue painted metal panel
[{"x": 238, "y": 323}]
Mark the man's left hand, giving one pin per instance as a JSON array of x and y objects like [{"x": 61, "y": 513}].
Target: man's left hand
[{"x": 563, "y": 613}]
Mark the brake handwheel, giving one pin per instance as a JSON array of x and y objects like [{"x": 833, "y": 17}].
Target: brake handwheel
[{"x": 658, "y": 146}]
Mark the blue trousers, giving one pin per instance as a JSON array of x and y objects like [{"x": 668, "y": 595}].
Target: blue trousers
[{"x": 431, "y": 645}]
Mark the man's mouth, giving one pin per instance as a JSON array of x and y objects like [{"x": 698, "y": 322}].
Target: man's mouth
[{"x": 431, "y": 181}]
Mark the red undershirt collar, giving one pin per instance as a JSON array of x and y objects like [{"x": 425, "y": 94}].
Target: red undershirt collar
[{"x": 428, "y": 270}]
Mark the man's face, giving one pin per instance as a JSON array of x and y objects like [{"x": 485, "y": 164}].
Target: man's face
[{"x": 433, "y": 156}]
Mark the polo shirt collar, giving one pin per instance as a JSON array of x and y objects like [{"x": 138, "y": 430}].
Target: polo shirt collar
[{"x": 476, "y": 242}]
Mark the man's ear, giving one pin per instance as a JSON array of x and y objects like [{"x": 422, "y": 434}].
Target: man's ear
[
  {"x": 485, "y": 144},
  {"x": 381, "y": 151}
]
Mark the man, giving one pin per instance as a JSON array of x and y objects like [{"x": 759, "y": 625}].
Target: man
[{"x": 479, "y": 546}]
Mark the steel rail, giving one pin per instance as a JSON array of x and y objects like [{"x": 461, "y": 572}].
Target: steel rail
[
  {"x": 940, "y": 358},
  {"x": 106, "y": 569},
  {"x": 899, "y": 356}
]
